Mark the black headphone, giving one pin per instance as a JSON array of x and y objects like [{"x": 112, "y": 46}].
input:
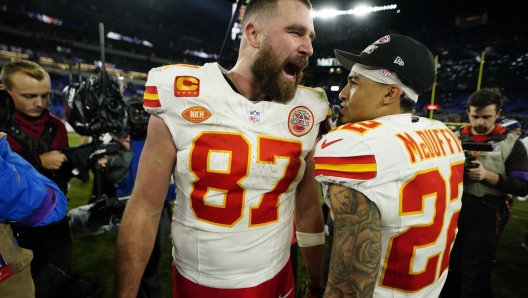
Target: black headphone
[{"x": 7, "y": 110}]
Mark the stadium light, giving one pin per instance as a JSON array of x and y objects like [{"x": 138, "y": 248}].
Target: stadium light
[
  {"x": 327, "y": 13},
  {"x": 360, "y": 11}
]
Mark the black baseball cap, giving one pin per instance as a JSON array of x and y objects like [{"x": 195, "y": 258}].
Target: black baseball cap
[{"x": 408, "y": 58}]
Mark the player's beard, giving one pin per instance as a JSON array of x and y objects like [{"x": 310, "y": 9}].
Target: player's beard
[
  {"x": 481, "y": 129},
  {"x": 268, "y": 70}
]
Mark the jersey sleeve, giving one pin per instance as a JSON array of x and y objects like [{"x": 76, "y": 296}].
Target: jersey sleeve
[
  {"x": 343, "y": 159},
  {"x": 28, "y": 198},
  {"x": 151, "y": 100},
  {"x": 316, "y": 99}
]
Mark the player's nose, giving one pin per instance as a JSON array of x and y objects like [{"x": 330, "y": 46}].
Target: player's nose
[
  {"x": 345, "y": 93},
  {"x": 306, "y": 47}
]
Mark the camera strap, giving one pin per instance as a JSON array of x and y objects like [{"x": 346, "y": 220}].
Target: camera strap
[{"x": 477, "y": 153}]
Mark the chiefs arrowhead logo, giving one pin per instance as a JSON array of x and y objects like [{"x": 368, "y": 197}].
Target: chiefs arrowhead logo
[{"x": 325, "y": 144}]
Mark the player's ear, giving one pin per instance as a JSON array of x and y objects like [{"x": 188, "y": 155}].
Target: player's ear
[
  {"x": 253, "y": 33},
  {"x": 392, "y": 94}
]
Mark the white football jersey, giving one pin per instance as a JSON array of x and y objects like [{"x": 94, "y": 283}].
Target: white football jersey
[
  {"x": 238, "y": 163},
  {"x": 413, "y": 172}
]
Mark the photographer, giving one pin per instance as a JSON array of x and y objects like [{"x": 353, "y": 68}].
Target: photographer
[
  {"x": 37, "y": 136},
  {"x": 28, "y": 199},
  {"x": 498, "y": 173}
]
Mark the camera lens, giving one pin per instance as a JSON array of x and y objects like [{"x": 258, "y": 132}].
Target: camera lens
[
  {"x": 114, "y": 105},
  {"x": 7, "y": 110}
]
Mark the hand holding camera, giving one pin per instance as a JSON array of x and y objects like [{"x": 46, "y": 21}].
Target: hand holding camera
[
  {"x": 476, "y": 171},
  {"x": 52, "y": 160}
]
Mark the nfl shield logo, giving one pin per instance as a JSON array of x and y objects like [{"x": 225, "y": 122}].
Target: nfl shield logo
[{"x": 254, "y": 116}]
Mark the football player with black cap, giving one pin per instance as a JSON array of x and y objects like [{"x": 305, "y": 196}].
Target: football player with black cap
[
  {"x": 392, "y": 60},
  {"x": 391, "y": 179}
]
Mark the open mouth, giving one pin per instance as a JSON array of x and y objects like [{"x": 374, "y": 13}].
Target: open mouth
[{"x": 291, "y": 70}]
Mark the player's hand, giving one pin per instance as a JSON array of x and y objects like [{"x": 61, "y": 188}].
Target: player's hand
[
  {"x": 52, "y": 160},
  {"x": 479, "y": 173},
  {"x": 306, "y": 291}
]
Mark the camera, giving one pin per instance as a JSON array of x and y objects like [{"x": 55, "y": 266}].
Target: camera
[
  {"x": 7, "y": 110},
  {"x": 95, "y": 107},
  {"x": 472, "y": 146},
  {"x": 137, "y": 117}
]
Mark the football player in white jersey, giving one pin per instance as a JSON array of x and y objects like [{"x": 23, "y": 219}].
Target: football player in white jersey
[
  {"x": 393, "y": 181},
  {"x": 241, "y": 145}
]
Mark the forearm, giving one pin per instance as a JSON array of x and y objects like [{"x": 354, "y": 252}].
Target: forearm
[
  {"x": 313, "y": 256},
  {"x": 28, "y": 198},
  {"x": 133, "y": 252},
  {"x": 512, "y": 185},
  {"x": 515, "y": 181},
  {"x": 309, "y": 219},
  {"x": 356, "y": 251},
  {"x": 492, "y": 178}
]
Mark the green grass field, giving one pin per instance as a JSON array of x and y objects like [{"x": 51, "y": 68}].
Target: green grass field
[{"x": 94, "y": 256}]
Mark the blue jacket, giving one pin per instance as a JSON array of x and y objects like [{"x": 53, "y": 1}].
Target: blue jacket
[
  {"x": 125, "y": 187},
  {"x": 27, "y": 198}
]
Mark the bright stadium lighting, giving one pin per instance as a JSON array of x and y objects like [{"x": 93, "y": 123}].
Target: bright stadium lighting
[
  {"x": 334, "y": 88},
  {"x": 360, "y": 10},
  {"x": 327, "y": 13}
]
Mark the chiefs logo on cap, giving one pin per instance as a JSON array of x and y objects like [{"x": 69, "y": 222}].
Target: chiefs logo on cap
[{"x": 186, "y": 86}]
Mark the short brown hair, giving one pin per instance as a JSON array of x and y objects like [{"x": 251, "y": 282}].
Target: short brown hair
[
  {"x": 265, "y": 7},
  {"x": 30, "y": 68},
  {"x": 485, "y": 97}
]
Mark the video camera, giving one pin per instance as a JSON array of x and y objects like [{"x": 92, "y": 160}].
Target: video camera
[
  {"x": 472, "y": 146},
  {"x": 94, "y": 108},
  {"x": 137, "y": 117},
  {"x": 7, "y": 110}
]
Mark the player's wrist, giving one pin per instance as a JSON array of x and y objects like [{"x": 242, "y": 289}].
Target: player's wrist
[
  {"x": 310, "y": 239},
  {"x": 308, "y": 290},
  {"x": 314, "y": 291}
]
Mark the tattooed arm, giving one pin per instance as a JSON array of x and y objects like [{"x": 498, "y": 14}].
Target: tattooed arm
[{"x": 356, "y": 250}]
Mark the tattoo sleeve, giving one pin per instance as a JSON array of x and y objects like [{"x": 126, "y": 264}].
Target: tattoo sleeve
[{"x": 356, "y": 249}]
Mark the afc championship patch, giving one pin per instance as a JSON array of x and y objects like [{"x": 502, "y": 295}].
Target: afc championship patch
[{"x": 300, "y": 121}]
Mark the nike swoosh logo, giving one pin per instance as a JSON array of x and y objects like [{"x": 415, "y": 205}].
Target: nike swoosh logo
[
  {"x": 288, "y": 294},
  {"x": 325, "y": 144}
]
